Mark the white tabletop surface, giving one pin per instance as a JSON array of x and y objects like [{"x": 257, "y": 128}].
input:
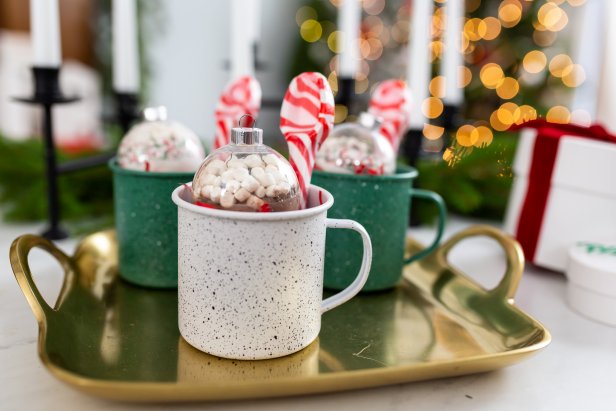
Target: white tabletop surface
[{"x": 575, "y": 372}]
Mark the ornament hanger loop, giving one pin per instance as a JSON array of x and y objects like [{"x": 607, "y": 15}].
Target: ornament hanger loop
[{"x": 250, "y": 122}]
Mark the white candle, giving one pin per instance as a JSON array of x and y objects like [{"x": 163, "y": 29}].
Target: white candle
[
  {"x": 349, "y": 17},
  {"x": 419, "y": 67},
  {"x": 45, "y": 32},
  {"x": 452, "y": 57},
  {"x": 252, "y": 11},
  {"x": 242, "y": 60},
  {"x": 126, "y": 77}
]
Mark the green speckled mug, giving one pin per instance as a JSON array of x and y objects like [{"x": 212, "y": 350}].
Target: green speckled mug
[
  {"x": 382, "y": 205},
  {"x": 147, "y": 225}
]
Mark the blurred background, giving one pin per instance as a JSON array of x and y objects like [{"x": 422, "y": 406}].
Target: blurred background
[{"x": 519, "y": 60}]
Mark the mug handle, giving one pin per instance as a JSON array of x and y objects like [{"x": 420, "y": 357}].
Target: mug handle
[
  {"x": 356, "y": 286},
  {"x": 442, "y": 215}
]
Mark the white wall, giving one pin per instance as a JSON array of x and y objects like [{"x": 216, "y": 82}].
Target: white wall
[{"x": 188, "y": 61}]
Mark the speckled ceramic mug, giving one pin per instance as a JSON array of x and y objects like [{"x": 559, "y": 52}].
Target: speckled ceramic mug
[{"x": 250, "y": 285}]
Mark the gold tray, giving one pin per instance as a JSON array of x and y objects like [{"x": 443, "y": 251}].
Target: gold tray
[{"x": 113, "y": 340}]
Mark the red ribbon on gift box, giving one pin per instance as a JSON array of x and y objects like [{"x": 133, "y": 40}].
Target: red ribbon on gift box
[{"x": 544, "y": 155}]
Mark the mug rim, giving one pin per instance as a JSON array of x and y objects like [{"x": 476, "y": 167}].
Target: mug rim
[
  {"x": 403, "y": 172},
  {"x": 240, "y": 215},
  {"x": 115, "y": 167}
]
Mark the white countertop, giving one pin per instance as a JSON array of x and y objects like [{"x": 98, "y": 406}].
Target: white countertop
[{"x": 575, "y": 372}]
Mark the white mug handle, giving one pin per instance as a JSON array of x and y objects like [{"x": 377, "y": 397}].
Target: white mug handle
[{"x": 356, "y": 286}]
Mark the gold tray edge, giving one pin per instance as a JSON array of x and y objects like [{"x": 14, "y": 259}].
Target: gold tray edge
[{"x": 349, "y": 380}]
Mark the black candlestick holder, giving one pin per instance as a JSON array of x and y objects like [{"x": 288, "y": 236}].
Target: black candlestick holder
[
  {"x": 346, "y": 91},
  {"x": 450, "y": 119},
  {"x": 46, "y": 94},
  {"x": 127, "y": 109}
]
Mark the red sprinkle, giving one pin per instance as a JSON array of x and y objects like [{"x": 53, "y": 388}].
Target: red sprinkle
[
  {"x": 373, "y": 172},
  {"x": 200, "y": 204},
  {"x": 265, "y": 208},
  {"x": 320, "y": 197},
  {"x": 147, "y": 166},
  {"x": 360, "y": 169}
]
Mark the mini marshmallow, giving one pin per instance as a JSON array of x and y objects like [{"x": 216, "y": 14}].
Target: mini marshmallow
[
  {"x": 271, "y": 191},
  {"x": 253, "y": 160},
  {"x": 283, "y": 187},
  {"x": 216, "y": 167},
  {"x": 260, "y": 192},
  {"x": 197, "y": 192},
  {"x": 227, "y": 200},
  {"x": 205, "y": 191},
  {"x": 234, "y": 174},
  {"x": 257, "y": 171},
  {"x": 242, "y": 195},
  {"x": 215, "y": 194},
  {"x": 255, "y": 202},
  {"x": 270, "y": 159},
  {"x": 266, "y": 179},
  {"x": 209, "y": 179},
  {"x": 236, "y": 163},
  {"x": 271, "y": 168},
  {"x": 250, "y": 184},
  {"x": 278, "y": 176},
  {"x": 232, "y": 186}
]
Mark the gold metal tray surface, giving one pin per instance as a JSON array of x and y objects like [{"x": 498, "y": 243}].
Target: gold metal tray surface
[{"x": 114, "y": 340}]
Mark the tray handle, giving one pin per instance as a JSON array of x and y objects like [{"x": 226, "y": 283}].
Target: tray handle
[
  {"x": 20, "y": 249},
  {"x": 508, "y": 285}
]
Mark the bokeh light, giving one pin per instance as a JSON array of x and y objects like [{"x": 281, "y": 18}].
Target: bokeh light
[
  {"x": 432, "y": 132},
  {"x": 544, "y": 38},
  {"x": 471, "y": 29},
  {"x": 491, "y": 75},
  {"x": 573, "y": 76},
  {"x": 489, "y": 28},
  {"x": 340, "y": 113},
  {"x": 559, "y": 64},
  {"x": 484, "y": 136},
  {"x": 432, "y": 107},
  {"x": 466, "y": 135},
  {"x": 508, "y": 88},
  {"x": 332, "y": 79},
  {"x": 437, "y": 86},
  {"x": 305, "y": 13},
  {"x": 510, "y": 13},
  {"x": 465, "y": 76},
  {"x": 558, "y": 114},
  {"x": 534, "y": 61},
  {"x": 525, "y": 113},
  {"x": 334, "y": 43},
  {"x": 311, "y": 30}
]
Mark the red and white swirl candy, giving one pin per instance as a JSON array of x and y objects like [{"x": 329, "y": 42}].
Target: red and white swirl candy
[
  {"x": 241, "y": 96},
  {"x": 390, "y": 101},
  {"x": 306, "y": 118}
]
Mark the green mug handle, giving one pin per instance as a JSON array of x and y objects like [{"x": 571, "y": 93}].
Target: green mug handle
[{"x": 442, "y": 215}]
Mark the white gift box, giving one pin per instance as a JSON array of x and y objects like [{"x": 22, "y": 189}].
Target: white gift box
[
  {"x": 591, "y": 272},
  {"x": 581, "y": 200}
]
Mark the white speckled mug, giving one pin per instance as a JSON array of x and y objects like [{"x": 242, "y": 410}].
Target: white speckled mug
[{"x": 250, "y": 285}]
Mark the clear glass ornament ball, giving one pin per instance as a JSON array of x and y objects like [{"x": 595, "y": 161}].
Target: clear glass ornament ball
[
  {"x": 159, "y": 145},
  {"x": 246, "y": 175},
  {"x": 357, "y": 148}
]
